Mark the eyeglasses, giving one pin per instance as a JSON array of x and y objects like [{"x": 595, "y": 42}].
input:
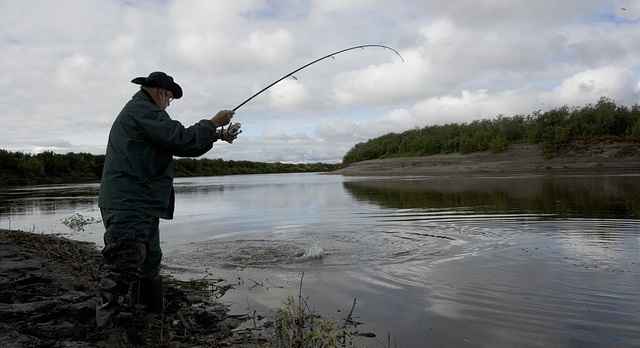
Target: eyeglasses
[{"x": 169, "y": 96}]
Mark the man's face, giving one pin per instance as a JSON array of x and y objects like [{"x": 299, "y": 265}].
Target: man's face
[{"x": 164, "y": 98}]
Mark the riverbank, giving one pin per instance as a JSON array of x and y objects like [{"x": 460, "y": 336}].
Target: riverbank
[
  {"x": 47, "y": 300},
  {"x": 579, "y": 158}
]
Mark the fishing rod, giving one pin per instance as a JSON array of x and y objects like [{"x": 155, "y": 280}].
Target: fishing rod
[{"x": 331, "y": 55}]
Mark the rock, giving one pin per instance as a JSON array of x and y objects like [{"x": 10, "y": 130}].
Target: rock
[
  {"x": 227, "y": 325},
  {"x": 84, "y": 310},
  {"x": 73, "y": 344},
  {"x": 20, "y": 265},
  {"x": 208, "y": 316},
  {"x": 10, "y": 338},
  {"x": 54, "y": 329},
  {"x": 21, "y": 309}
]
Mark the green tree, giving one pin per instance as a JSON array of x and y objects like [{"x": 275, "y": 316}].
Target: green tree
[{"x": 553, "y": 129}]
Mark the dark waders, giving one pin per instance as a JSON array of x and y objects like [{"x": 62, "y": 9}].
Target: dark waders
[{"x": 129, "y": 276}]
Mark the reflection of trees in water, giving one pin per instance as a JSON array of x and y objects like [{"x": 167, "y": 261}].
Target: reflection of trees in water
[
  {"x": 198, "y": 189},
  {"x": 23, "y": 201},
  {"x": 46, "y": 206},
  {"x": 571, "y": 196}
]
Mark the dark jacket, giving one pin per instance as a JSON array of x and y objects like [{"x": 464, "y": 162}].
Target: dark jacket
[{"x": 138, "y": 167}]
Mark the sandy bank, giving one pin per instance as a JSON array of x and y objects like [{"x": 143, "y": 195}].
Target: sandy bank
[{"x": 609, "y": 158}]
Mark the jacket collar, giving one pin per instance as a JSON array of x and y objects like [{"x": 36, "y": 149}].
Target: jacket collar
[{"x": 144, "y": 96}]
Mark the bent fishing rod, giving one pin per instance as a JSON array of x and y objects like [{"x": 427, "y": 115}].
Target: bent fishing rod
[{"x": 331, "y": 55}]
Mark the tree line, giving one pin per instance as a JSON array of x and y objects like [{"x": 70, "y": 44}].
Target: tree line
[
  {"x": 553, "y": 129},
  {"x": 17, "y": 168}
]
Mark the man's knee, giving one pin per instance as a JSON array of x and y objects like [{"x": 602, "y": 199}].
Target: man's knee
[
  {"x": 129, "y": 225},
  {"x": 125, "y": 255}
]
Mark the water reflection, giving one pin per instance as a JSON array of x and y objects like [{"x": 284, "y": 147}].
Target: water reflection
[
  {"x": 34, "y": 200},
  {"x": 558, "y": 266},
  {"x": 466, "y": 262},
  {"x": 598, "y": 197}
]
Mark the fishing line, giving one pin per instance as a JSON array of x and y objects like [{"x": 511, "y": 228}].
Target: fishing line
[{"x": 331, "y": 55}]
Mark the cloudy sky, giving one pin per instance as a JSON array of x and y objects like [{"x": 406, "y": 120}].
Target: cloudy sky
[{"x": 65, "y": 66}]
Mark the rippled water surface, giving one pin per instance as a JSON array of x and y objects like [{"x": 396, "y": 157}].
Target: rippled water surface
[{"x": 440, "y": 262}]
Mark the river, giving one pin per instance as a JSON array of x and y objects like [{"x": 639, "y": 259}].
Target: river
[{"x": 524, "y": 261}]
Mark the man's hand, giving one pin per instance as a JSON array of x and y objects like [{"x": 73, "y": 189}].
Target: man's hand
[
  {"x": 222, "y": 118},
  {"x": 230, "y": 133}
]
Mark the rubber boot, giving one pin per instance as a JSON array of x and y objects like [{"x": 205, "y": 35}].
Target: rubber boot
[
  {"x": 152, "y": 295},
  {"x": 107, "y": 305}
]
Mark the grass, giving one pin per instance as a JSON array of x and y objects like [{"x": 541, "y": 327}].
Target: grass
[{"x": 297, "y": 326}]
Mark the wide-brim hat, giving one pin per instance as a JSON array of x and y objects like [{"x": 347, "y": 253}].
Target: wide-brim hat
[{"x": 159, "y": 79}]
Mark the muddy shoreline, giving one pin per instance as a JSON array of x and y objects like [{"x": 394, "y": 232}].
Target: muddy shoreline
[
  {"x": 47, "y": 300},
  {"x": 579, "y": 158}
]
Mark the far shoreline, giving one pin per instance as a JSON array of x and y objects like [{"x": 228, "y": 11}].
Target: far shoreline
[
  {"x": 78, "y": 181},
  {"x": 521, "y": 159}
]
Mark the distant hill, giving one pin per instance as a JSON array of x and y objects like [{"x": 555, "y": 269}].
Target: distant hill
[{"x": 554, "y": 131}]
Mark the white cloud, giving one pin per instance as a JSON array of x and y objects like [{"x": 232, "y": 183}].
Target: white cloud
[
  {"x": 440, "y": 31},
  {"x": 270, "y": 47},
  {"x": 628, "y": 9},
  {"x": 329, "y": 7},
  {"x": 218, "y": 36},
  {"x": 587, "y": 86},
  {"x": 385, "y": 82},
  {"x": 472, "y": 105},
  {"x": 512, "y": 14},
  {"x": 466, "y": 59},
  {"x": 72, "y": 71},
  {"x": 344, "y": 133},
  {"x": 287, "y": 94},
  {"x": 281, "y": 147},
  {"x": 122, "y": 46}
]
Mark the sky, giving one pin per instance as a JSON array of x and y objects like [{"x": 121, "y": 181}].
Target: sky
[{"x": 66, "y": 66}]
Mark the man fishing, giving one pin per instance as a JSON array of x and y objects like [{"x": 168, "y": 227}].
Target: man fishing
[
  {"x": 137, "y": 190},
  {"x": 137, "y": 186}
]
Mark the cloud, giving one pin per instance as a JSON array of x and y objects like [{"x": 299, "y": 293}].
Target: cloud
[
  {"x": 72, "y": 71},
  {"x": 281, "y": 147},
  {"x": 463, "y": 107},
  {"x": 587, "y": 86},
  {"x": 466, "y": 59},
  {"x": 471, "y": 105},
  {"x": 270, "y": 47},
  {"x": 287, "y": 94},
  {"x": 468, "y": 105},
  {"x": 385, "y": 82},
  {"x": 333, "y": 7},
  {"x": 440, "y": 31},
  {"x": 628, "y": 9},
  {"x": 220, "y": 36},
  {"x": 344, "y": 133},
  {"x": 514, "y": 14}
]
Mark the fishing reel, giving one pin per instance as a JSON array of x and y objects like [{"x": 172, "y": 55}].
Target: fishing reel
[{"x": 230, "y": 133}]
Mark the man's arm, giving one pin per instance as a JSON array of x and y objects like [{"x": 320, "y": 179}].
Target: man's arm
[{"x": 171, "y": 135}]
